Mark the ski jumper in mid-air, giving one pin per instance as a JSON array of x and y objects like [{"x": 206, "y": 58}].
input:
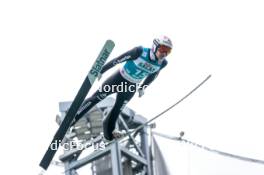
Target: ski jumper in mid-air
[{"x": 140, "y": 64}]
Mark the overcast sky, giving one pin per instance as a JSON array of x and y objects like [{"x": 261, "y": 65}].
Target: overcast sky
[{"x": 47, "y": 48}]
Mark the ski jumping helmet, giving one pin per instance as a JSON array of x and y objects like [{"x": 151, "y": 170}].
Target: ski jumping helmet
[{"x": 163, "y": 44}]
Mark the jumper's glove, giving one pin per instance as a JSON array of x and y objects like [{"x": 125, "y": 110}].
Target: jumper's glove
[{"x": 140, "y": 92}]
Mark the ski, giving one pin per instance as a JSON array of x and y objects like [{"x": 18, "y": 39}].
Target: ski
[
  {"x": 160, "y": 114},
  {"x": 77, "y": 102}
]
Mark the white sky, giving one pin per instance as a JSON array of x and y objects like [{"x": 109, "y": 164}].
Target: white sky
[{"x": 47, "y": 47}]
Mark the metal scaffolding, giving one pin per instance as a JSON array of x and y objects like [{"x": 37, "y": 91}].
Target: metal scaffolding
[{"x": 128, "y": 157}]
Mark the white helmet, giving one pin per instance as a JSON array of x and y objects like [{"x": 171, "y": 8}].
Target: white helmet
[{"x": 161, "y": 41}]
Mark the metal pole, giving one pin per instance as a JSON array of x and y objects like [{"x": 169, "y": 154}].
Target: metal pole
[
  {"x": 145, "y": 147},
  {"x": 116, "y": 159}
]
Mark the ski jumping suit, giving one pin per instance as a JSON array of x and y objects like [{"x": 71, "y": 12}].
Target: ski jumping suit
[{"x": 138, "y": 66}]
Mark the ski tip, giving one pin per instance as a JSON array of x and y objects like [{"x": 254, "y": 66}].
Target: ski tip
[{"x": 111, "y": 42}]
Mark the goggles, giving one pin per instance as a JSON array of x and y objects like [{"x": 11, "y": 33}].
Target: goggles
[{"x": 164, "y": 49}]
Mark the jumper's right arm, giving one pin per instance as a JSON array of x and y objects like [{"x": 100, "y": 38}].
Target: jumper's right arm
[{"x": 129, "y": 55}]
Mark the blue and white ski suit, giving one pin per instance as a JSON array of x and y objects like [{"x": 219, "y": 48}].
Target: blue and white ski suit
[{"x": 138, "y": 67}]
